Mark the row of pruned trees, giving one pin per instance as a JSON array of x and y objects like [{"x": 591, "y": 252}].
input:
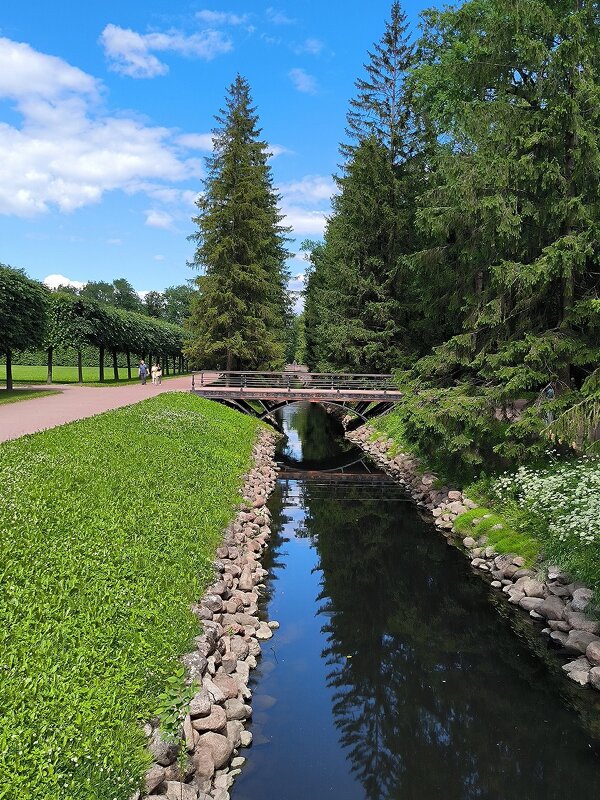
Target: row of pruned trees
[{"x": 31, "y": 316}]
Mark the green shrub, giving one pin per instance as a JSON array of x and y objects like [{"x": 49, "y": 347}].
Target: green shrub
[{"x": 108, "y": 528}]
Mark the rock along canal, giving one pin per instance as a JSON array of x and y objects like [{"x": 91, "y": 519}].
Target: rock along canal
[{"x": 396, "y": 672}]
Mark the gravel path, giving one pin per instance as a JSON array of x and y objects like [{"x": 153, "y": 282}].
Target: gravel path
[{"x": 76, "y": 402}]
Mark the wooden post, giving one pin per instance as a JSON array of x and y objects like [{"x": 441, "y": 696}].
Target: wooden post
[{"x": 50, "y": 354}]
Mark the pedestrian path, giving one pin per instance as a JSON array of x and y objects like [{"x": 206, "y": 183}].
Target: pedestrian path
[{"x": 76, "y": 402}]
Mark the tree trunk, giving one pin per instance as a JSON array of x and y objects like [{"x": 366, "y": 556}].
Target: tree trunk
[
  {"x": 166, "y": 364},
  {"x": 229, "y": 361},
  {"x": 128, "y": 365},
  {"x": 115, "y": 365},
  {"x": 80, "y": 367},
  {"x": 9, "y": 377},
  {"x": 101, "y": 364},
  {"x": 50, "y": 354},
  {"x": 174, "y": 366}
]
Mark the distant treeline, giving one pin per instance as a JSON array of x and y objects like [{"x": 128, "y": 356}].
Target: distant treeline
[{"x": 32, "y": 317}]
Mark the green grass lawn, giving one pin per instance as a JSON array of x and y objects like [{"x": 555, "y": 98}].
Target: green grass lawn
[
  {"x": 25, "y": 374},
  {"x": 108, "y": 528},
  {"x": 22, "y": 394}
]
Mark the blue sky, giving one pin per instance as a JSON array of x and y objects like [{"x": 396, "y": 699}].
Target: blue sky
[{"x": 106, "y": 110}]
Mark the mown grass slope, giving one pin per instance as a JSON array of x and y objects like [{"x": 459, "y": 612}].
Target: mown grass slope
[{"x": 107, "y": 532}]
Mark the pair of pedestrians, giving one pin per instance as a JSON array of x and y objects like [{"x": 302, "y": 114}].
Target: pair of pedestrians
[{"x": 156, "y": 373}]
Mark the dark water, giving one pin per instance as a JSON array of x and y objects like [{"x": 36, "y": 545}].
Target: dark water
[{"x": 396, "y": 672}]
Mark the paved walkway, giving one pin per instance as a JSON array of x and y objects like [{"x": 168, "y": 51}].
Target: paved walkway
[{"x": 76, "y": 402}]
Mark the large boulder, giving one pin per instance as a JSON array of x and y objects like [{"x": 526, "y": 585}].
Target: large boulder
[
  {"x": 530, "y": 603},
  {"x": 215, "y": 721},
  {"x": 203, "y": 763},
  {"x": 200, "y": 704},
  {"x": 578, "y": 641},
  {"x": 164, "y": 752},
  {"x": 154, "y": 777},
  {"x": 592, "y": 653},
  {"x": 533, "y": 588},
  {"x": 582, "y": 623},
  {"x": 552, "y": 608},
  {"x": 581, "y": 599},
  {"x": 220, "y": 747},
  {"x": 227, "y": 684},
  {"x": 180, "y": 791},
  {"x": 594, "y": 677}
]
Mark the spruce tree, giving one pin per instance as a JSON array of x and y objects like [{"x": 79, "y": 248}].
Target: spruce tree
[
  {"x": 239, "y": 316},
  {"x": 514, "y": 90},
  {"x": 368, "y": 283}
]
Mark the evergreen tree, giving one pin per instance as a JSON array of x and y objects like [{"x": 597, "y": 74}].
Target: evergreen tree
[
  {"x": 382, "y": 109},
  {"x": 366, "y": 281},
  {"x": 514, "y": 90},
  {"x": 240, "y": 315}
]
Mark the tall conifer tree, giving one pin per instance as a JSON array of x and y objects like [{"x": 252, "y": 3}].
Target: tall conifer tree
[
  {"x": 239, "y": 317},
  {"x": 372, "y": 229}
]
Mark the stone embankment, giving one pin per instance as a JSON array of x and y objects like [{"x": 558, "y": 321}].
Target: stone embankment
[
  {"x": 204, "y": 764},
  {"x": 549, "y": 596}
]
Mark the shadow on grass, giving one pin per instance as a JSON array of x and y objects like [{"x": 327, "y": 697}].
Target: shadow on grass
[{"x": 15, "y": 395}]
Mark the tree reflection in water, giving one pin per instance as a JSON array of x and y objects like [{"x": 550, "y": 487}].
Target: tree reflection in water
[{"x": 433, "y": 695}]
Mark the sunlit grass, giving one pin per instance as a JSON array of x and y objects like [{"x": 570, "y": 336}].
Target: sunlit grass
[{"x": 107, "y": 534}]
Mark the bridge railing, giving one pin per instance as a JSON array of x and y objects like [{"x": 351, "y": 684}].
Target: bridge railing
[{"x": 292, "y": 380}]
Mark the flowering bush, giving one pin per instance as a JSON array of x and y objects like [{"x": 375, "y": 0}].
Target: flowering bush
[{"x": 565, "y": 498}]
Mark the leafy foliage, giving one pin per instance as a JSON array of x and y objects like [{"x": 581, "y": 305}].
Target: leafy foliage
[
  {"x": 22, "y": 313},
  {"x": 108, "y": 529}
]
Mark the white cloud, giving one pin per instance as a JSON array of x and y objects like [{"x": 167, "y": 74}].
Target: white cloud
[
  {"x": 279, "y": 18},
  {"x": 303, "y": 81},
  {"x": 196, "y": 141},
  {"x": 131, "y": 53},
  {"x": 221, "y": 17},
  {"x": 310, "y": 46},
  {"x": 278, "y": 150},
  {"x": 114, "y": 241},
  {"x": 56, "y": 280},
  {"x": 309, "y": 189},
  {"x": 159, "y": 219},
  {"x": 302, "y": 220},
  {"x": 159, "y": 258},
  {"x": 67, "y": 151},
  {"x": 22, "y": 69}
]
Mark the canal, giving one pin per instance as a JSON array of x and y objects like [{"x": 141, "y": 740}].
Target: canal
[{"x": 397, "y": 672}]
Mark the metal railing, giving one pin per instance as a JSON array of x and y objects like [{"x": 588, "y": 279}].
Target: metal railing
[{"x": 335, "y": 381}]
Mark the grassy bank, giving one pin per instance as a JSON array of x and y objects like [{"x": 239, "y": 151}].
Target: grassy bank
[
  {"x": 27, "y": 374},
  {"x": 550, "y": 512},
  {"x": 22, "y": 394},
  {"x": 108, "y": 528}
]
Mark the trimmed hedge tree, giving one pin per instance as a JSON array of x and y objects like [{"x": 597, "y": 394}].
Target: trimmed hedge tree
[{"x": 23, "y": 305}]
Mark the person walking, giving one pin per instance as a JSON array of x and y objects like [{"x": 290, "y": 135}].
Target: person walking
[
  {"x": 143, "y": 372},
  {"x": 158, "y": 373},
  {"x": 154, "y": 371}
]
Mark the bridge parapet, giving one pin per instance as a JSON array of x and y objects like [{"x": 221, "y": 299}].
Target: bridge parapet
[{"x": 261, "y": 393}]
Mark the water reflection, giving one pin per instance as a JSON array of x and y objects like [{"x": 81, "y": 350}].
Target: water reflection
[{"x": 392, "y": 676}]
